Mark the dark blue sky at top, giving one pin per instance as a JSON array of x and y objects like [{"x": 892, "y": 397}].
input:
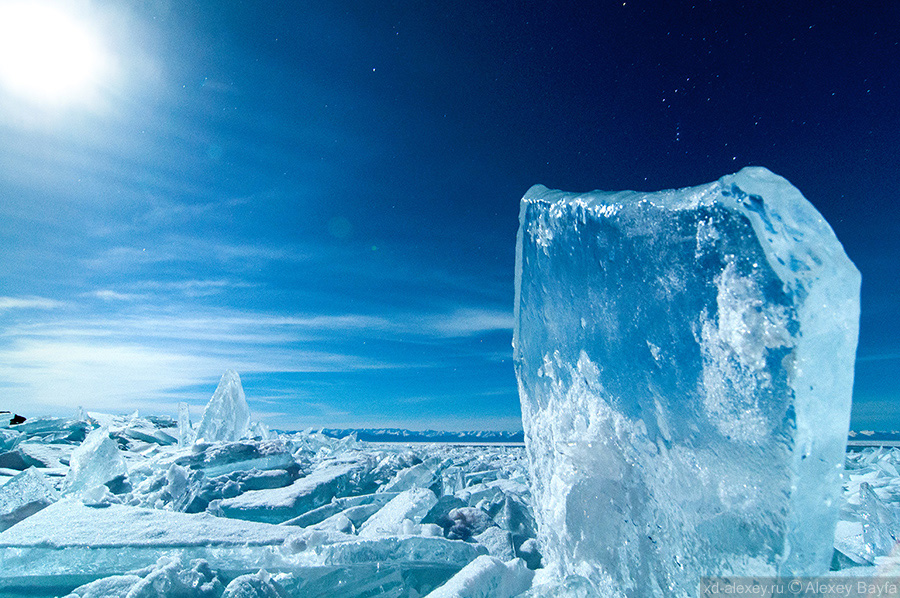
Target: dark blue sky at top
[{"x": 324, "y": 195}]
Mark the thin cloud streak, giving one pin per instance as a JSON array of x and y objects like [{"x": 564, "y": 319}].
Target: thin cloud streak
[
  {"x": 121, "y": 362},
  {"x": 7, "y": 303},
  {"x": 878, "y": 357}
]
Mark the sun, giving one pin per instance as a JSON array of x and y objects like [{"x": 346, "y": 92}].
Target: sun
[{"x": 48, "y": 55}]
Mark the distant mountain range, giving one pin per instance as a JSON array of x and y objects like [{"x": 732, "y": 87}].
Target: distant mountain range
[
  {"x": 869, "y": 435},
  {"x": 398, "y": 435}
]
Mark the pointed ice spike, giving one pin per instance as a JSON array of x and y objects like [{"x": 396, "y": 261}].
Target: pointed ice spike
[
  {"x": 685, "y": 366},
  {"x": 227, "y": 415}
]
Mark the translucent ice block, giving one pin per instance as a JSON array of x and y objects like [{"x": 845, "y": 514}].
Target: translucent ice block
[
  {"x": 227, "y": 415},
  {"x": 94, "y": 463},
  {"x": 685, "y": 366}
]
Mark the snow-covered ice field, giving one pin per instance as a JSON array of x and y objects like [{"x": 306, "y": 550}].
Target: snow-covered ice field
[{"x": 101, "y": 505}]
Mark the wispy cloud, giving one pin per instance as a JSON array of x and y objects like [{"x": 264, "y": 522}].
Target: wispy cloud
[
  {"x": 95, "y": 373},
  {"x": 7, "y": 303},
  {"x": 110, "y": 295},
  {"x": 878, "y": 357},
  {"x": 121, "y": 362},
  {"x": 191, "y": 250},
  {"x": 469, "y": 322}
]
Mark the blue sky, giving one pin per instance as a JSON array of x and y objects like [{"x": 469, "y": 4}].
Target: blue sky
[{"x": 324, "y": 196}]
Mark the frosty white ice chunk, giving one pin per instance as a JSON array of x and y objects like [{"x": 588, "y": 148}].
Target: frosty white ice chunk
[
  {"x": 224, "y": 458},
  {"x": 417, "y": 476},
  {"x": 351, "y": 506},
  {"x": 94, "y": 463},
  {"x": 227, "y": 415},
  {"x": 498, "y": 542},
  {"x": 24, "y": 495},
  {"x": 9, "y": 439},
  {"x": 685, "y": 366},
  {"x": 412, "y": 504},
  {"x": 69, "y": 536}
]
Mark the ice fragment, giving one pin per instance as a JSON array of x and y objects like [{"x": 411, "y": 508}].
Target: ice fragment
[
  {"x": 412, "y": 504},
  {"x": 24, "y": 495},
  {"x": 227, "y": 415},
  {"x": 258, "y": 585},
  {"x": 94, "y": 463},
  {"x": 185, "y": 429},
  {"x": 880, "y": 524}
]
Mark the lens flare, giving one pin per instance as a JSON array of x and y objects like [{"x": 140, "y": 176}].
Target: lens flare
[{"x": 47, "y": 55}]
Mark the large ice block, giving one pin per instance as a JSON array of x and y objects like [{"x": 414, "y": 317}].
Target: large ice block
[
  {"x": 227, "y": 415},
  {"x": 685, "y": 367}
]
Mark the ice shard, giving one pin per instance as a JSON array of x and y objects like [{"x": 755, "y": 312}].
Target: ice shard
[
  {"x": 97, "y": 461},
  {"x": 185, "y": 429},
  {"x": 227, "y": 415},
  {"x": 24, "y": 495},
  {"x": 685, "y": 367},
  {"x": 411, "y": 505}
]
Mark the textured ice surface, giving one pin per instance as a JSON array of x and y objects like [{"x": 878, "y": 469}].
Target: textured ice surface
[
  {"x": 277, "y": 505},
  {"x": 9, "y": 439},
  {"x": 257, "y": 585},
  {"x": 175, "y": 542},
  {"x": 167, "y": 577},
  {"x": 227, "y": 415},
  {"x": 880, "y": 524},
  {"x": 24, "y": 495},
  {"x": 94, "y": 463},
  {"x": 69, "y": 523},
  {"x": 487, "y": 577},
  {"x": 685, "y": 365},
  {"x": 174, "y": 519},
  {"x": 226, "y": 458},
  {"x": 412, "y": 505},
  {"x": 498, "y": 542},
  {"x": 343, "y": 505}
]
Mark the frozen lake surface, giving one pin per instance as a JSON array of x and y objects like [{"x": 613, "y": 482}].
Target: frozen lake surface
[{"x": 101, "y": 505}]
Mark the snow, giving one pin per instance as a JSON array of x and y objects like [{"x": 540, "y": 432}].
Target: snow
[{"x": 685, "y": 367}]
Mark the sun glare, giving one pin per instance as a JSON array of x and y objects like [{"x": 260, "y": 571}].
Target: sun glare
[{"x": 48, "y": 55}]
